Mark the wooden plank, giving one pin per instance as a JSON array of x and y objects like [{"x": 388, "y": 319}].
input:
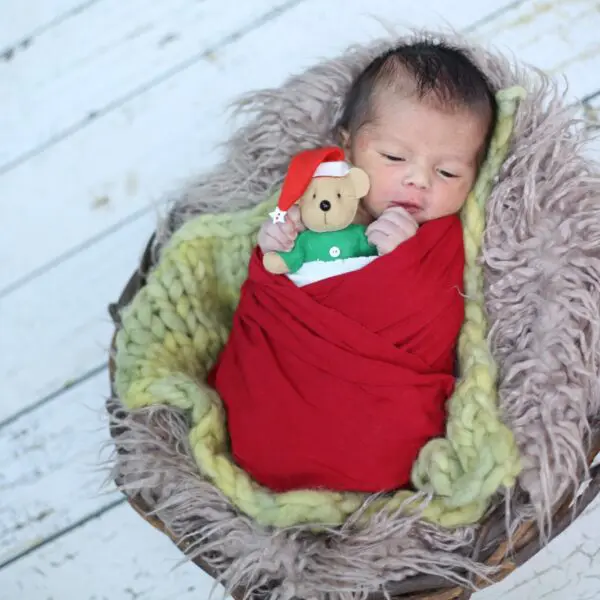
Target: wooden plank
[
  {"x": 66, "y": 308},
  {"x": 558, "y": 36},
  {"x": 111, "y": 52},
  {"x": 51, "y": 475},
  {"x": 568, "y": 568},
  {"x": 20, "y": 28},
  {"x": 117, "y": 556},
  {"x": 135, "y": 154}
]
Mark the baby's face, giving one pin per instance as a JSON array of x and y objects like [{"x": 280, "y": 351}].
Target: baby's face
[{"x": 418, "y": 156}]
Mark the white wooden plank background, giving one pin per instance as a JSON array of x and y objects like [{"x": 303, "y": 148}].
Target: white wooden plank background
[
  {"x": 123, "y": 48},
  {"x": 67, "y": 308},
  {"x": 91, "y": 191},
  {"x": 129, "y": 158},
  {"x": 93, "y": 78},
  {"x": 52, "y": 476},
  {"x": 40, "y": 17},
  {"x": 558, "y": 36},
  {"x": 117, "y": 556}
]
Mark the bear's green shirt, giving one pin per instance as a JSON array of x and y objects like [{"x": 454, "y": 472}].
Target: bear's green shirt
[{"x": 328, "y": 245}]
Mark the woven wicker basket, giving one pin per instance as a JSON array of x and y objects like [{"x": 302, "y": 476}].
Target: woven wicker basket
[{"x": 491, "y": 546}]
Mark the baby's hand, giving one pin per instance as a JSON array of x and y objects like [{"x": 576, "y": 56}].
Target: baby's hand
[
  {"x": 280, "y": 237},
  {"x": 394, "y": 226}
]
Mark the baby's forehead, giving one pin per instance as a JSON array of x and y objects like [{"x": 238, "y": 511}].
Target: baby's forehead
[
  {"x": 446, "y": 134},
  {"x": 397, "y": 110},
  {"x": 404, "y": 94}
]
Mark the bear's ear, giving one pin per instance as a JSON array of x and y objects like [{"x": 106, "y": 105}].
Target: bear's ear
[{"x": 360, "y": 181}]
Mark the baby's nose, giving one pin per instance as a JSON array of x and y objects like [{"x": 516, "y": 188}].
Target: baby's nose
[
  {"x": 325, "y": 205},
  {"x": 417, "y": 177}
]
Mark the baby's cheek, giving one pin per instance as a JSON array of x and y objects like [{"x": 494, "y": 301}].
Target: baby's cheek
[
  {"x": 448, "y": 201},
  {"x": 384, "y": 185},
  {"x": 384, "y": 190},
  {"x": 373, "y": 201}
]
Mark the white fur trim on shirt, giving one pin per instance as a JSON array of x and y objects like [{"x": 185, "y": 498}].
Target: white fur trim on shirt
[{"x": 317, "y": 270}]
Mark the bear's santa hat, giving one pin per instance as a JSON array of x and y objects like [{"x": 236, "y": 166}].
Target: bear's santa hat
[{"x": 318, "y": 162}]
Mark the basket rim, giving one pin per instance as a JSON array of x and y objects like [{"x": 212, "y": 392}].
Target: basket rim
[{"x": 523, "y": 546}]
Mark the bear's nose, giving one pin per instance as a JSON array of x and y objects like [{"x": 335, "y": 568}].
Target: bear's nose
[{"x": 325, "y": 205}]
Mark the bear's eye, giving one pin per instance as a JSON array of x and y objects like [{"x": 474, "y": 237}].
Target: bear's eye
[
  {"x": 339, "y": 195},
  {"x": 315, "y": 196}
]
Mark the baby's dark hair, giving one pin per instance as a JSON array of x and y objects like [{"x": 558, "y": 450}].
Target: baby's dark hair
[{"x": 438, "y": 71}]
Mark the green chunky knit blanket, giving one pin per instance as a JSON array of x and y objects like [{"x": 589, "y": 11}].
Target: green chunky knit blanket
[{"x": 176, "y": 326}]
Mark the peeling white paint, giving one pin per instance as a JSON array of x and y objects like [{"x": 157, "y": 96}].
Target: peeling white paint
[
  {"x": 52, "y": 474},
  {"x": 117, "y": 556}
]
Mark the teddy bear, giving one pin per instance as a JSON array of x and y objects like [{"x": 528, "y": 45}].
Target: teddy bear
[{"x": 328, "y": 191}]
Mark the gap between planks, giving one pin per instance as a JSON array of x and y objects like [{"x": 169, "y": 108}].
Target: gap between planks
[{"x": 21, "y": 28}]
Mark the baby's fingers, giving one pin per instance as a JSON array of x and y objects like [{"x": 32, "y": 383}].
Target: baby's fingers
[
  {"x": 400, "y": 219},
  {"x": 282, "y": 238},
  {"x": 294, "y": 218},
  {"x": 272, "y": 238},
  {"x": 382, "y": 226},
  {"x": 376, "y": 231},
  {"x": 381, "y": 241},
  {"x": 288, "y": 228}
]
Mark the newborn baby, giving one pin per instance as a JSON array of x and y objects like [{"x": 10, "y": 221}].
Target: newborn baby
[
  {"x": 340, "y": 383},
  {"x": 418, "y": 120}
]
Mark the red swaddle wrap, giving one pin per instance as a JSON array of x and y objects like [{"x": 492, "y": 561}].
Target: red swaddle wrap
[{"x": 338, "y": 384}]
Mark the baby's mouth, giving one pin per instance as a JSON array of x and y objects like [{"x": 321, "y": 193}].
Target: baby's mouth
[{"x": 410, "y": 207}]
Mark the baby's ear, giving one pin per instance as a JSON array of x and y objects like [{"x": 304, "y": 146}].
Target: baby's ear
[{"x": 360, "y": 181}]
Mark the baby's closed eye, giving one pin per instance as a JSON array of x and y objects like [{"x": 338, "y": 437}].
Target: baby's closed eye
[
  {"x": 446, "y": 173},
  {"x": 392, "y": 157}
]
